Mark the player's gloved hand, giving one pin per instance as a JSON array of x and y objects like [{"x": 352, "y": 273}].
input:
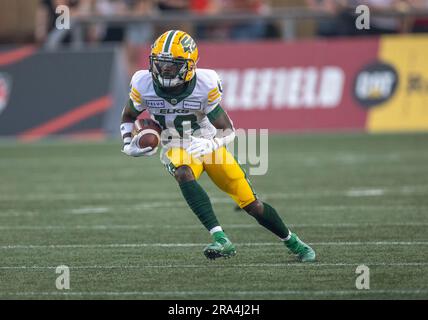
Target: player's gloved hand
[
  {"x": 132, "y": 149},
  {"x": 201, "y": 146}
]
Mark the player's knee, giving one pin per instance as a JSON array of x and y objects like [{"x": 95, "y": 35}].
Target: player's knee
[
  {"x": 183, "y": 174},
  {"x": 255, "y": 208}
]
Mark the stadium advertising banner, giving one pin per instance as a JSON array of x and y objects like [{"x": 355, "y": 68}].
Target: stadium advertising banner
[
  {"x": 375, "y": 84},
  {"x": 297, "y": 86},
  {"x": 56, "y": 93},
  {"x": 400, "y": 86}
]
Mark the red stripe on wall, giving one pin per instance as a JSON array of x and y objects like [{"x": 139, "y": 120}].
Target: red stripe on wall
[
  {"x": 94, "y": 135},
  {"x": 66, "y": 120},
  {"x": 16, "y": 55}
]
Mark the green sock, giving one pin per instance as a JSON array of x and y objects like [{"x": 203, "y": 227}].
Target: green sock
[
  {"x": 272, "y": 221},
  {"x": 198, "y": 201}
]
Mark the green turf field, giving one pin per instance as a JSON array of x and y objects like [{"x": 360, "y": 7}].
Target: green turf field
[{"x": 120, "y": 225}]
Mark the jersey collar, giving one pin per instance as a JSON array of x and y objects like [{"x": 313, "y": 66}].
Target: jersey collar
[{"x": 175, "y": 99}]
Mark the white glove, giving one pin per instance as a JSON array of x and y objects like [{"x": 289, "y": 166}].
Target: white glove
[
  {"x": 134, "y": 150},
  {"x": 201, "y": 146}
]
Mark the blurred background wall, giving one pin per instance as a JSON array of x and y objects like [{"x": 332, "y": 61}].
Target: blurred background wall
[
  {"x": 287, "y": 65},
  {"x": 17, "y": 20}
]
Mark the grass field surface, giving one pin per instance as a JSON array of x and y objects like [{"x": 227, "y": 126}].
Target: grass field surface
[{"x": 121, "y": 226}]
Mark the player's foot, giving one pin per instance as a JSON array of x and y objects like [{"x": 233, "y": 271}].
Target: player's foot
[
  {"x": 303, "y": 252},
  {"x": 221, "y": 247}
]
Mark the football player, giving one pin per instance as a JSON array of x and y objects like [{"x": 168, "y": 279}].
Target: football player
[{"x": 175, "y": 93}]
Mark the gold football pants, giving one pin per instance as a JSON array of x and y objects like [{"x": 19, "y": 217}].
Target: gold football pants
[{"x": 221, "y": 167}]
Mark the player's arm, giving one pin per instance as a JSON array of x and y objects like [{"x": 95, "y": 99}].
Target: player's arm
[
  {"x": 218, "y": 118},
  {"x": 222, "y": 121},
  {"x": 224, "y": 125},
  {"x": 129, "y": 115},
  {"x": 130, "y": 145},
  {"x": 225, "y": 134}
]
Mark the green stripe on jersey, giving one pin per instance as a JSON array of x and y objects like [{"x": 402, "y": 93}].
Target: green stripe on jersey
[
  {"x": 215, "y": 113},
  {"x": 132, "y": 107}
]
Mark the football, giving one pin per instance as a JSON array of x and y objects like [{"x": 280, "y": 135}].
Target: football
[{"x": 151, "y": 131}]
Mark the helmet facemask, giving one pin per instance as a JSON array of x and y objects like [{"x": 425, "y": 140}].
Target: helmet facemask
[{"x": 169, "y": 72}]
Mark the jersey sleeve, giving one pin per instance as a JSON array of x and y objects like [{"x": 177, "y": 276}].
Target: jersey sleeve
[
  {"x": 215, "y": 92},
  {"x": 134, "y": 93}
]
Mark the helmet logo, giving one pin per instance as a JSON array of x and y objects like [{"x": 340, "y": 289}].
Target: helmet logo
[{"x": 188, "y": 44}]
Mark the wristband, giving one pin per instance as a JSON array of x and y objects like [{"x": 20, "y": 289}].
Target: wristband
[
  {"x": 126, "y": 129},
  {"x": 127, "y": 140}
]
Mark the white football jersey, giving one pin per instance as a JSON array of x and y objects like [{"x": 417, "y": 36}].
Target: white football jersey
[{"x": 190, "y": 111}]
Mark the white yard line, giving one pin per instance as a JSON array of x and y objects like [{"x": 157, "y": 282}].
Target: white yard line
[
  {"x": 365, "y": 192},
  {"x": 352, "y": 192},
  {"x": 240, "y": 265},
  {"x": 322, "y": 209},
  {"x": 15, "y": 213},
  {"x": 222, "y": 293},
  {"x": 89, "y": 210},
  {"x": 174, "y": 245},
  {"x": 226, "y": 226}
]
